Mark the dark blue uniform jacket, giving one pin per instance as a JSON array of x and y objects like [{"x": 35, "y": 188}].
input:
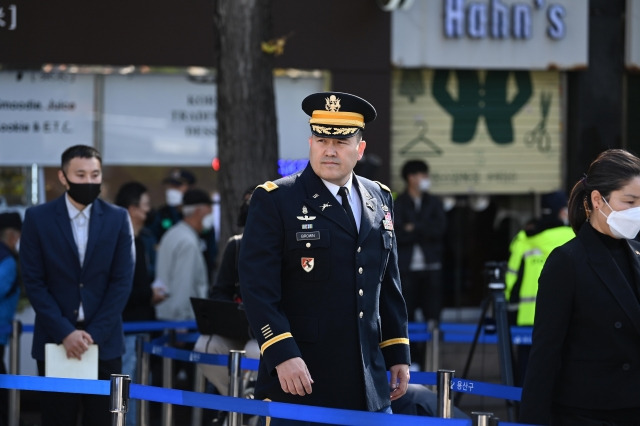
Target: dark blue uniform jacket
[{"x": 314, "y": 289}]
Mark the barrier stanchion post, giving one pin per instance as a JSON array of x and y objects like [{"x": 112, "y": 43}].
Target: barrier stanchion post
[
  {"x": 14, "y": 368},
  {"x": 119, "y": 398},
  {"x": 481, "y": 418},
  {"x": 432, "y": 354},
  {"x": 198, "y": 386},
  {"x": 444, "y": 378},
  {"x": 142, "y": 377},
  {"x": 167, "y": 382},
  {"x": 235, "y": 383}
]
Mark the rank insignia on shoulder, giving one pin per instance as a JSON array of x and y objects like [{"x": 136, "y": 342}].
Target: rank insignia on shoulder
[
  {"x": 383, "y": 186},
  {"x": 268, "y": 186}
]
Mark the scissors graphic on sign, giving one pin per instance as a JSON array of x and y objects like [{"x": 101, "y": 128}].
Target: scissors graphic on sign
[{"x": 539, "y": 135}]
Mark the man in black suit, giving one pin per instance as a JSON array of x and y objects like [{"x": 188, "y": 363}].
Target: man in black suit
[
  {"x": 420, "y": 226},
  {"x": 319, "y": 274},
  {"x": 77, "y": 257}
]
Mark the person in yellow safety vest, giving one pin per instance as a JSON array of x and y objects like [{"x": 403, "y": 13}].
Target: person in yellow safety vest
[{"x": 528, "y": 253}]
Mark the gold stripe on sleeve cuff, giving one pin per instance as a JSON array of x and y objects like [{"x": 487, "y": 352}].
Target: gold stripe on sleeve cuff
[
  {"x": 398, "y": 341},
  {"x": 276, "y": 339}
]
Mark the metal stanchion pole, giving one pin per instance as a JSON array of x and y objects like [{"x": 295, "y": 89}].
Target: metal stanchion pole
[
  {"x": 14, "y": 368},
  {"x": 432, "y": 354},
  {"x": 235, "y": 383},
  {"x": 444, "y": 378},
  {"x": 142, "y": 377},
  {"x": 481, "y": 418},
  {"x": 198, "y": 386},
  {"x": 119, "y": 398},
  {"x": 167, "y": 382}
]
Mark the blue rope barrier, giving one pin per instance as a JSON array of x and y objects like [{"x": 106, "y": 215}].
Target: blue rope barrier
[
  {"x": 417, "y": 377},
  {"x": 423, "y": 378},
  {"x": 486, "y": 389},
  {"x": 146, "y": 326},
  {"x": 226, "y": 403},
  {"x": 418, "y": 332},
  {"x": 455, "y": 333},
  {"x": 50, "y": 384}
]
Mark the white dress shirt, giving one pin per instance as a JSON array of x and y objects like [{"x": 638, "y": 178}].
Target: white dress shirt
[
  {"x": 354, "y": 198},
  {"x": 80, "y": 228}
]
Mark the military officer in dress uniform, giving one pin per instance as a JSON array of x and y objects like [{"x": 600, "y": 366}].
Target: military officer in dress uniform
[{"x": 319, "y": 275}]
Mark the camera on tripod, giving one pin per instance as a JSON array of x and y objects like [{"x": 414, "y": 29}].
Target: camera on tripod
[
  {"x": 493, "y": 319},
  {"x": 494, "y": 273}
]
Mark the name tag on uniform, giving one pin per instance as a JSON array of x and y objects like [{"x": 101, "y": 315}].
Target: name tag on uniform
[{"x": 306, "y": 236}]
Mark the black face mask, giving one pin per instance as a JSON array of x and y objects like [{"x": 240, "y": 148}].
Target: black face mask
[{"x": 83, "y": 193}]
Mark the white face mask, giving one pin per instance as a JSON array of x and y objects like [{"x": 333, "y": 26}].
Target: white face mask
[
  {"x": 173, "y": 197},
  {"x": 207, "y": 222},
  {"x": 425, "y": 184},
  {"x": 623, "y": 223}
]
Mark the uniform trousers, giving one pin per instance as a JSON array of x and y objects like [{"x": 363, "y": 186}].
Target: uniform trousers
[{"x": 63, "y": 409}]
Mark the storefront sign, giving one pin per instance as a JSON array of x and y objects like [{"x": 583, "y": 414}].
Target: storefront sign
[
  {"x": 482, "y": 132},
  {"x": 171, "y": 120},
  {"x": 491, "y": 34},
  {"x": 146, "y": 119},
  {"x": 158, "y": 120},
  {"x": 42, "y": 114},
  {"x": 9, "y": 17}
]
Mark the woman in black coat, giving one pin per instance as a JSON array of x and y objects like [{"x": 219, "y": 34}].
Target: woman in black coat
[{"x": 584, "y": 367}]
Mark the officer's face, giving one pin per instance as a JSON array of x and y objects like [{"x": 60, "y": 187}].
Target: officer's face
[{"x": 334, "y": 159}]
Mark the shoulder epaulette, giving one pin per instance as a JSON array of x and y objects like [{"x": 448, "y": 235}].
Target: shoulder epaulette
[
  {"x": 383, "y": 186},
  {"x": 268, "y": 186}
]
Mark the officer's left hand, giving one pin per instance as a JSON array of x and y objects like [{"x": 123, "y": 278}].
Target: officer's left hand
[{"x": 399, "y": 380}]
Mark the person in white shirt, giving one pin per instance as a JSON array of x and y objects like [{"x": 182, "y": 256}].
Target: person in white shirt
[{"x": 180, "y": 266}]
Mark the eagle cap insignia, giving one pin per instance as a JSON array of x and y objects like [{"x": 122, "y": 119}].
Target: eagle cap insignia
[{"x": 333, "y": 103}]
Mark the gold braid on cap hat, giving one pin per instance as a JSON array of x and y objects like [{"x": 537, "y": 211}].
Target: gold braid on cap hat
[{"x": 337, "y": 118}]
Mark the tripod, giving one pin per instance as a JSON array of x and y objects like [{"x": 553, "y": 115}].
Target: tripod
[{"x": 494, "y": 272}]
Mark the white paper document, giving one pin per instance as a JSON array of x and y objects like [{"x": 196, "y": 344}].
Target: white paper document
[{"x": 56, "y": 363}]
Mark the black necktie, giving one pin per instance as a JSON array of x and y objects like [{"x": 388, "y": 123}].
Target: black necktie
[{"x": 342, "y": 192}]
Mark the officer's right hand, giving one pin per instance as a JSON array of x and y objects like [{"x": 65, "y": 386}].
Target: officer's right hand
[{"x": 294, "y": 377}]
